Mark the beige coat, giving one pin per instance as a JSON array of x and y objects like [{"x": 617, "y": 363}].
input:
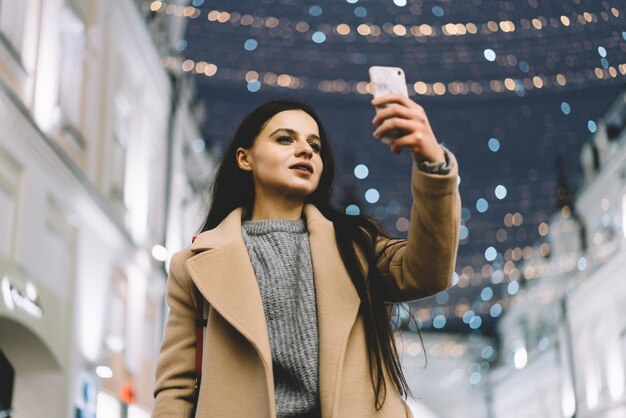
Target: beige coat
[{"x": 237, "y": 380}]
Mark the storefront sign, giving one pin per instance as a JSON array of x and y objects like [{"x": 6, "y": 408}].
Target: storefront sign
[{"x": 24, "y": 298}]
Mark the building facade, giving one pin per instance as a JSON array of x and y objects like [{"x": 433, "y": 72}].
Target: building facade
[
  {"x": 563, "y": 339},
  {"x": 102, "y": 168}
]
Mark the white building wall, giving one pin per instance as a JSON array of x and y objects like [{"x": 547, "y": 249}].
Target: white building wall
[
  {"x": 85, "y": 108},
  {"x": 599, "y": 340},
  {"x": 531, "y": 392},
  {"x": 451, "y": 382}
]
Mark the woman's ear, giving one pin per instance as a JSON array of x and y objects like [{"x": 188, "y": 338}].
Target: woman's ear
[{"x": 241, "y": 155}]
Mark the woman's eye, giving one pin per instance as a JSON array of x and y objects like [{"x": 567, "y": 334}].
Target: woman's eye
[
  {"x": 315, "y": 146},
  {"x": 284, "y": 139}
]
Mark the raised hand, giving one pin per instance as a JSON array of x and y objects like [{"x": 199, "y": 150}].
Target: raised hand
[{"x": 404, "y": 114}]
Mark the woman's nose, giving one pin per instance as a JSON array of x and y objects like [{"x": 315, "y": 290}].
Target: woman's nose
[{"x": 304, "y": 150}]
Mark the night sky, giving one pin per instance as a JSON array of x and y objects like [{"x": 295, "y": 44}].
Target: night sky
[{"x": 510, "y": 88}]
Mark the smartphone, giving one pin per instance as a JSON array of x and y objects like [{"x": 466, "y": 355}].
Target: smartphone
[{"x": 384, "y": 81}]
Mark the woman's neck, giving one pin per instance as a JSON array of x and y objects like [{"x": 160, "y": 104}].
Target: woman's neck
[{"x": 287, "y": 210}]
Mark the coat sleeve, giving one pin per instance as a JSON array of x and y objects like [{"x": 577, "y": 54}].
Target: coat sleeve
[
  {"x": 423, "y": 264},
  {"x": 176, "y": 371}
]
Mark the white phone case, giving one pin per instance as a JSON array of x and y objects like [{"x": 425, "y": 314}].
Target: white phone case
[{"x": 385, "y": 81}]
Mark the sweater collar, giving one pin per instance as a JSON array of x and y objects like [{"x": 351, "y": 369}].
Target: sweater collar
[
  {"x": 267, "y": 226},
  {"x": 229, "y": 230}
]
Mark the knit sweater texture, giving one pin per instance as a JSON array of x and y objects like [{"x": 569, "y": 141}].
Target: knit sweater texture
[{"x": 281, "y": 259}]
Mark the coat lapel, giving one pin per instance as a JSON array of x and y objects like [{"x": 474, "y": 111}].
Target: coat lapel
[
  {"x": 337, "y": 306},
  {"x": 223, "y": 273}
]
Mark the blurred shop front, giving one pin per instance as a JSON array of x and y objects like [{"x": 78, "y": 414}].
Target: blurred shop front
[
  {"x": 98, "y": 152},
  {"x": 32, "y": 356}
]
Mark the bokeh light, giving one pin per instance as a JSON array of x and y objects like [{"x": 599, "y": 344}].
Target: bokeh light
[{"x": 361, "y": 171}]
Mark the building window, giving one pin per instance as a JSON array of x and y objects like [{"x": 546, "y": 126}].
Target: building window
[
  {"x": 624, "y": 214},
  {"x": 59, "y": 239},
  {"x": 12, "y": 16},
  {"x": 150, "y": 344},
  {"x": 119, "y": 151},
  {"x": 72, "y": 67},
  {"x": 9, "y": 188},
  {"x": 117, "y": 331},
  {"x": 622, "y": 340},
  {"x": 68, "y": 117}
]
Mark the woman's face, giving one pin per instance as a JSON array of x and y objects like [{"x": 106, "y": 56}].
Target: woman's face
[{"x": 285, "y": 157}]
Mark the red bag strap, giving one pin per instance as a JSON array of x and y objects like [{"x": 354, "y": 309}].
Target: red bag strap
[{"x": 200, "y": 324}]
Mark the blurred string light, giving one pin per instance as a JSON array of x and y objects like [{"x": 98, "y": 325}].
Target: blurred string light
[
  {"x": 372, "y": 196},
  {"x": 489, "y": 54},
  {"x": 495, "y": 310},
  {"x": 353, "y": 210},
  {"x": 490, "y": 254},
  {"x": 437, "y": 88},
  {"x": 319, "y": 37},
  {"x": 250, "y": 44},
  {"x": 442, "y": 297},
  {"x": 322, "y": 34},
  {"x": 592, "y": 126},
  {"x": 360, "y": 11},
  {"x": 424, "y": 30},
  {"x": 443, "y": 314},
  {"x": 482, "y": 205},
  {"x": 315, "y": 10},
  {"x": 513, "y": 288},
  {"x": 500, "y": 191},
  {"x": 198, "y": 145},
  {"x": 437, "y": 11},
  {"x": 254, "y": 86},
  {"x": 393, "y": 207},
  {"x": 439, "y": 321},
  {"x": 361, "y": 171},
  {"x": 181, "y": 45}
]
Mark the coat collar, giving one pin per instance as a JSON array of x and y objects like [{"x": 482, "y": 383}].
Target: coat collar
[{"x": 222, "y": 271}]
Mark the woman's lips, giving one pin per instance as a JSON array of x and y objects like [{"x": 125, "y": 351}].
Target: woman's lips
[
  {"x": 302, "y": 167},
  {"x": 302, "y": 170}
]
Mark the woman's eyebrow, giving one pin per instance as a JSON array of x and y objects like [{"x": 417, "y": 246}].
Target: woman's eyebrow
[{"x": 294, "y": 133}]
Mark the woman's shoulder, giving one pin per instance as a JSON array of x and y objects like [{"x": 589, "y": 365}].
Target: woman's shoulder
[{"x": 178, "y": 259}]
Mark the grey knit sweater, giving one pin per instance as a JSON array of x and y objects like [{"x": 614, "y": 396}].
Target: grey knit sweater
[{"x": 281, "y": 260}]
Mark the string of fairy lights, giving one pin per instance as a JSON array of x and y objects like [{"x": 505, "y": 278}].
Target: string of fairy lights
[
  {"x": 394, "y": 29},
  {"x": 519, "y": 86},
  {"x": 256, "y": 79}
]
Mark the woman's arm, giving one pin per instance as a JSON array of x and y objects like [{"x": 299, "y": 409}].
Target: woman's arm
[
  {"x": 175, "y": 374},
  {"x": 423, "y": 264}
]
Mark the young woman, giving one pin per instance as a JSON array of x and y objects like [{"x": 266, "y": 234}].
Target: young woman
[{"x": 296, "y": 292}]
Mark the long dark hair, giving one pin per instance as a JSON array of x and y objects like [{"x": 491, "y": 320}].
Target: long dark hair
[{"x": 234, "y": 188}]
